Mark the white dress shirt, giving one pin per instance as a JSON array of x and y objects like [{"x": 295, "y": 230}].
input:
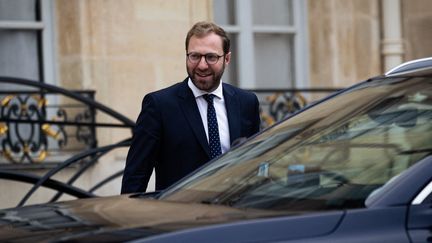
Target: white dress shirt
[{"x": 221, "y": 113}]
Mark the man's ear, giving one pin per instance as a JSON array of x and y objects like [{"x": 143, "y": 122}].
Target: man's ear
[{"x": 227, "y": 58}]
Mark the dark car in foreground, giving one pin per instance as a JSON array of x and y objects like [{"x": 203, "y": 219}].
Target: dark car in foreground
[{"x": 355, "y": 167}]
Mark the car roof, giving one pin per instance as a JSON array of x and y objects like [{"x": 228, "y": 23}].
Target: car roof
[{"x": 416, "y": 67}]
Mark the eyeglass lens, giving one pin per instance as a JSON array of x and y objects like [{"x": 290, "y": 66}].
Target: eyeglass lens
[{"x": 211, "y": 58}]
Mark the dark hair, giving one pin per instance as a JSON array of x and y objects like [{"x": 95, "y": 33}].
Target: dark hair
[{"x": 204, "y": 28}]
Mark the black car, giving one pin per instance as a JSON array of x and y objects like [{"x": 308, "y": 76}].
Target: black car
[{"x": 355, "y": 167}]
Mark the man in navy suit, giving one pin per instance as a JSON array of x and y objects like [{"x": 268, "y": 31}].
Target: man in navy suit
[{"x": 172, "y": 131}]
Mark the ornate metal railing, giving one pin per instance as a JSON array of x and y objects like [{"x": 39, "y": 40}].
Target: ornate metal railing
[
  {"x": 35, "y": 133},
  {"x": 94, "y": 154},
  {"x": 37, "y": 120},
  {"x": 276, "y": 104},
  {"x": 30, "y": 128}
]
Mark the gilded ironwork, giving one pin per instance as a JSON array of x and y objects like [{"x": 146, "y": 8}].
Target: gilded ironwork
[
  {"x": 277, "y": 104},
  {"x": 5, "y": 101},
  {"x": 85, "y": 134},
  {"x": 41, "y": 124},
  {"x": 25, "y": 139},
  {"x": 22, "y": 141},
  {"x": 3, "y": 128},
  {"x": 47, "y": 127},
  {"x": 28, "y": 139},
  {"x": 280, "y": 105}
]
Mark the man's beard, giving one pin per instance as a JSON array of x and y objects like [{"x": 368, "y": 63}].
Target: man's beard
[{"x": 208, "y": 86}]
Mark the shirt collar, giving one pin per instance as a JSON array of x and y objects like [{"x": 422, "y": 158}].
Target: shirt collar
[{"x": 197, "y": 92}]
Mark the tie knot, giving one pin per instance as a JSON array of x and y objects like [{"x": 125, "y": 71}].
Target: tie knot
[{"x": 209, "y": 98}]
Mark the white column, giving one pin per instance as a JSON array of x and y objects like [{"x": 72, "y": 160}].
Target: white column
[
  {"x": 301, "y": 73},
  {"x": 392, "y": 43},
  {"x": 246, "y": 51},
  {"x": 49, "y": 46}
]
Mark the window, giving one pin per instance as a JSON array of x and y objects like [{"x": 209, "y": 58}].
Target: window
[
  {"x": 26, "y": 42},
  {"x": 26, "y": 52},
  {"x": 268, "y": 42}
]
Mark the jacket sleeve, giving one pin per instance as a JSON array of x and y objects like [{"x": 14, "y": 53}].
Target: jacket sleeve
[
  {"x": 256, "y": 116},
  {"x": 144, "y": 150}
]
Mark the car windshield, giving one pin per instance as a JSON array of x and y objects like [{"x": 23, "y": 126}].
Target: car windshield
[{"x": 331, "y": 156}]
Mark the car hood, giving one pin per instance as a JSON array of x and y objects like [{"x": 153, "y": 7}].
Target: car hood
[{"x": 119, "y": 218}]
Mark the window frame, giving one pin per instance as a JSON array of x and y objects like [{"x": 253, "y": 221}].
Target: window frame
[
  {"x": 47, "y": 45},
  {"x": 244, "y": 30}
]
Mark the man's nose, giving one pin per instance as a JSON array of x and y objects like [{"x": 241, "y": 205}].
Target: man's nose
[{"x": 202, "y": 62}]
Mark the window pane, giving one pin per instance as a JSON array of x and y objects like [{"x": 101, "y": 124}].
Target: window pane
[
  {"x": 224, "y": 12},
  {"x": 19, "y": 48},
  {"x": 274, "y": 60},
  {"x": 230, "y": 74},
  {"x": 19, "y": 55},
  {"x": 272, "y": 12},
  {"x": 18, "y": 10}
]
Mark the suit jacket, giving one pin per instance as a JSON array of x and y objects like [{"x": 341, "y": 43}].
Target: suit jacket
[{"x": 169, "y": 134}]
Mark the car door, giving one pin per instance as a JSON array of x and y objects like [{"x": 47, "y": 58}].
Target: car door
[{"x": 419, "y": 222}]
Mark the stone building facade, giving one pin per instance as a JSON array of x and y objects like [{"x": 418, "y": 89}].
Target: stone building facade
[{"x": 124, "y": 49}]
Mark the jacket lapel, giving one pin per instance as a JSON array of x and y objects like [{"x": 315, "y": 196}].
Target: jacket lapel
[
  {"x": 191, "y": 112},
  {"x": 232, "y": 105}
]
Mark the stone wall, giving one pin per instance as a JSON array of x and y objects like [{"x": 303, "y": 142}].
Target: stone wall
[
  {"x": 344, "y": 41},
  {"x": 417, "y": 28},
  {"x": 345, "y": 38}
]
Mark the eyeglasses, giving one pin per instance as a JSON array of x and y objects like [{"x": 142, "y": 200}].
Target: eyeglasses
[{"x": 210, "y": 58}]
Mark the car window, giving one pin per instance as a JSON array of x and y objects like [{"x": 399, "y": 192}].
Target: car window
[{"x": 329, "y": 157}]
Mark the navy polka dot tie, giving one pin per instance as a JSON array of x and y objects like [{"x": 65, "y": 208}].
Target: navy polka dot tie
[{"x": 213, "y": 130}]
